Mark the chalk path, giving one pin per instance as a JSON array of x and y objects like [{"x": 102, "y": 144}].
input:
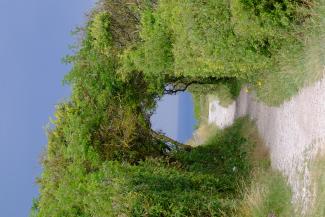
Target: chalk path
[{"x": 294, "y": 133}]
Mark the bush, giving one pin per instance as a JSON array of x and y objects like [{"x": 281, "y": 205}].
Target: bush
[
  {"x": 200, "y": 182},
  {"x": 246, "y": 40}
]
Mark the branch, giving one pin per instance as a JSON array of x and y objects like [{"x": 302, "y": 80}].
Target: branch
[
  {"x": 174, "y": 90},
  {"x": 182, "y": 84},
  {"x": 170, "y": 143}
]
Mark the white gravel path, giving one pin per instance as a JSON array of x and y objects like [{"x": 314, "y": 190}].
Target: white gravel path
[
  {"x": 294, "y": 132},
  {"x": 219, "y": 115}
]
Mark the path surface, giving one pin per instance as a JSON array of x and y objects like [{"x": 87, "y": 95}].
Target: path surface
[{"x": 294, "y": 132}]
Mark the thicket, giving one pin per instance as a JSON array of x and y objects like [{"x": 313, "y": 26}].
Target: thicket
[
  {"x": 103, "y": 158},
  {"x": 201, "y": 182},
  {"x": 186, "y": 42}
]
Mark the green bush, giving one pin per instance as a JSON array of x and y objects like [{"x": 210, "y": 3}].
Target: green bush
[
  {"x": 252, "y": 41},
  {"x": 201, "y": 182}
]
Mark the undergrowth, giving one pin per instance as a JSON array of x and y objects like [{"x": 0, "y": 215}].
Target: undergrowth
[
  {"x": 268, "y": 195},
  {"x": 204, "y": 181}
]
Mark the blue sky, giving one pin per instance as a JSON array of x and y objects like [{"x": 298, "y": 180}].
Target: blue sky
[
  {"x": 175, "y": 116},
  {"x": 34, "y": 36}
]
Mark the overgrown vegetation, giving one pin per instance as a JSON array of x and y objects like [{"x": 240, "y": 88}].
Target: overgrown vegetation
[
  {"x": 262, "y": 43},
  {"x": 268, "y": 195},
  {"x": 103, "y": 158},
  {"x": 201, "y": 182}
]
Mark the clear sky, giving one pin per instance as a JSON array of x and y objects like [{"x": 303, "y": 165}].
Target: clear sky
[
  {"x": 175, "y": 116},
  {"x": 34, "y": 36}
]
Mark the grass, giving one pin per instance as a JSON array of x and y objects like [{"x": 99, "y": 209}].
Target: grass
[
  {"x": 318, "y": 179},
  {"x": 304, "y": 67},
  {"x": 202, "y": 182},
  {"x": 286, "y": 82},
  {"x": 298, "y": 59},
  {"x": 201, "y": 108},
  {"x": 202, "y": 134},
  {"x": 266, "y": 191},
  {"x": 269, "y": 194}
]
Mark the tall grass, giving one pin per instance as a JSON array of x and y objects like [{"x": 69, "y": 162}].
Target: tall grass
[
  {"x": 298, "y": 66},
  {"x": 268, "y": 195},
  {"x": 318, "y": 180}
]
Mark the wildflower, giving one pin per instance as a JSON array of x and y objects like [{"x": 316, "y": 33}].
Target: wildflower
[{"x": 259, "y": 83}]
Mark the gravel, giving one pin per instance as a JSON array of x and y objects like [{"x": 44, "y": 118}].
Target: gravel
[{"x": 294, "y": 133}]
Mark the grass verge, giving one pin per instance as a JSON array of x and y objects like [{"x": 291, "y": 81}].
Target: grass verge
[
  {"x": 318, "y": 179},
  {"x": 304, "y": 67},
  {"x": 268, "y": 195}
]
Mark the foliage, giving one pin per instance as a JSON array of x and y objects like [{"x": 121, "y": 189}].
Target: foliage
[
  {"x": 269, "y": 194},
  {"x": 105, "y": 112},
  {"x": 226, "y": 155},
  {"x": 201, "y": 108},
  {"x": 205, "y": 41},
  {"x": 200, "y": 182},
  {"x": 226, "y": 90},
  {"x": 303, "y": 68},
  {"x": 34, "y": 209}
]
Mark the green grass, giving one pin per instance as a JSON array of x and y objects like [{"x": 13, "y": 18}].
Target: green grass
[
  {"x": 201, "y": 108},
  {"x": 266, "y": 191},
  {"x": 303, "y": 68},
  {"x": 268, "y": 194},
  {"x": 318, "y": 179},
  {"x": 296, "y": 65},
  {"x": 308, "y": 67},
  {"x": 201, "y": 182}
]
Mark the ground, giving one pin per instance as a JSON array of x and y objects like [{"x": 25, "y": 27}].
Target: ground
[{"x": 294, "y": 132}]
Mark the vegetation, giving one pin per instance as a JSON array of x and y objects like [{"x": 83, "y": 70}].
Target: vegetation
[
  {"x": 103, "y": 158},
  {"x": 201, "y": 182},
  {"x": 269, "y": 191},
  {"x": 318, "y": 177},
  {"x": 269, "y": 194},
  {"x": 256, "y": 42}
]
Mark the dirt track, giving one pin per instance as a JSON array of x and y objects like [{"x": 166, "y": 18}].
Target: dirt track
[{"x": 294, "y": 133}]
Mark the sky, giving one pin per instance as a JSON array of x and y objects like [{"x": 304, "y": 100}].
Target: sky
[
  {"x": 175, "y": 116},
  {"x": 34, "y": 36}
]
